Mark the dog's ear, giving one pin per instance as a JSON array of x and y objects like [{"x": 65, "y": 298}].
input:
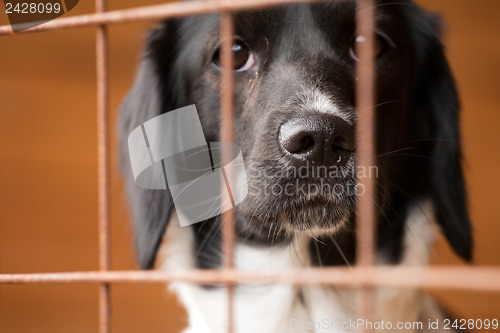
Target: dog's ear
[
  {"x": 151, "y": 209},
  {"x": 436, "y": 126}
]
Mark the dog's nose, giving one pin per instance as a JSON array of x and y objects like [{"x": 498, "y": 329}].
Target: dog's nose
[{"x": 319, "y": 139}]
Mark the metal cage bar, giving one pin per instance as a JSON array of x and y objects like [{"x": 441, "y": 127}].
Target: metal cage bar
[
  {"x": 365, "y": 138},
  {"x": 364, "y": 275},
  {"x": 164, "y": 11},
  {"x": 480, "y": 279},
  {"x": 103, "y": 169},
  {"x": 226, "y": 116}
]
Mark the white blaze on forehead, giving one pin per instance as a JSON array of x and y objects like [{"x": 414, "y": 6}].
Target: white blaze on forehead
[{"x": 312, "y": 99}]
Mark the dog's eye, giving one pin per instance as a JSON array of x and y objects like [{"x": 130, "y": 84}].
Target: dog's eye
[
  {"x": 243, "y": 58},
  {"x": 382, "y": 45}
]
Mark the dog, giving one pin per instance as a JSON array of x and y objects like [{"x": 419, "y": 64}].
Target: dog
[{"x": 294, "y": 109}]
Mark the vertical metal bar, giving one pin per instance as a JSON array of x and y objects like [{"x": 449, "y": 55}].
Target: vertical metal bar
[
  {"x": 103, "y": 194},
  {"x": 228, "y": 231},
  {"x": 365, "y": 240}
]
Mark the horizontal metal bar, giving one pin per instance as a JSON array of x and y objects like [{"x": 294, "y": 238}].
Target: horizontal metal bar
[
  {"x": 164, "y": 11},
  {"x": 484, "y": 279}
]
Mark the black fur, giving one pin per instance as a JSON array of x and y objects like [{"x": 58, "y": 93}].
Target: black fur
[{"x": 417, "y": 121}]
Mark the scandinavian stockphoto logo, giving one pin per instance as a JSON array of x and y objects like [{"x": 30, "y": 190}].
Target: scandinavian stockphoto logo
[
  {"x": 26, "y": 14},
  {"x": 170, "y": 151}
]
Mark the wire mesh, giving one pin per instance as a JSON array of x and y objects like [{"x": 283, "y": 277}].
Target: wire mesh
[{"x": 364, "y": 274}]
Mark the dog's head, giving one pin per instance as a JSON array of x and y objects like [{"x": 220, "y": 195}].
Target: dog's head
[{"x": 295, "y": 118}]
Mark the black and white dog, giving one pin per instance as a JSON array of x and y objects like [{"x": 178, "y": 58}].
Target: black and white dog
[{"x": 294, "y": 93}]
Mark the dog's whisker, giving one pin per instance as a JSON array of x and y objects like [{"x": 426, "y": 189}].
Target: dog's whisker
[
  {"x": 320, "y": 260},
  {"x": 394, "y": 151},
  {"x": 316, "y": 239},
  {"x": 379, "y": 104},
  {"x": 297, "y": 250},
  {"x": 383, "y": 197},
  {"x": 341, "y": 252},
  {"x": 399, "y": 143},
  {"x": 273, "y": 116},
  {"x": 382, "y": 212},
  {"x": 410, "y": 232},
  {"x": 423, "y": 157}
]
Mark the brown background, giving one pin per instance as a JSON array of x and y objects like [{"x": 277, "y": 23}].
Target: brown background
[{"x": 48, "y": 170}]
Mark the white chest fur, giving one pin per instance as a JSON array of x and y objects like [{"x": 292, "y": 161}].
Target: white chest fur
[{"x": 283, "y": 308}]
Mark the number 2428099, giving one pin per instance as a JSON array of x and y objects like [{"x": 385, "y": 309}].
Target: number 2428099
[{"x": 32, "y": 8}]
